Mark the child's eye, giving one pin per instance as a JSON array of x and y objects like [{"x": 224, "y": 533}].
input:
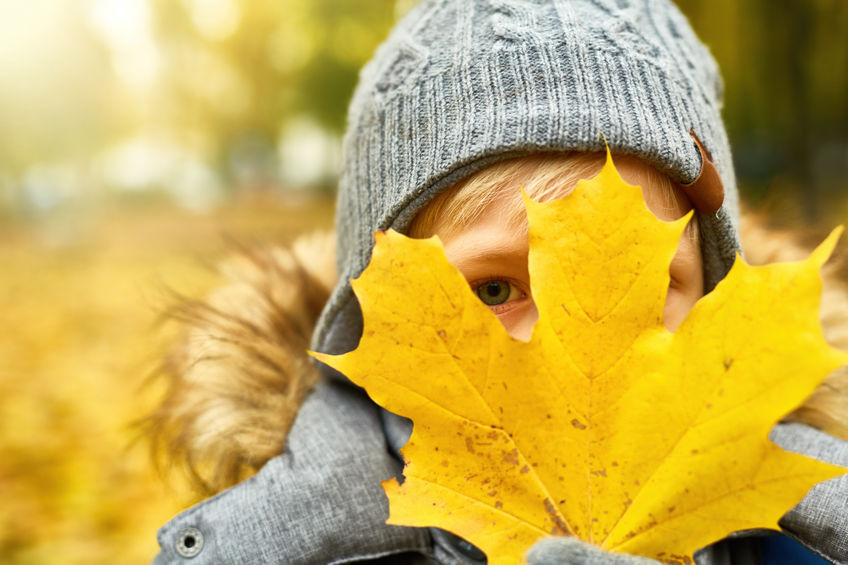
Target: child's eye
[{"x": 494, "y": 292}]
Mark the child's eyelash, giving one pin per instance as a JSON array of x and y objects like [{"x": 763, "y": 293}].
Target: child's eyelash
[{"x": 475, "y": 284}]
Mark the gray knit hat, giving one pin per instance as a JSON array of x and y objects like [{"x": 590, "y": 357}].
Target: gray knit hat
[{"x": 460, "y": 84}]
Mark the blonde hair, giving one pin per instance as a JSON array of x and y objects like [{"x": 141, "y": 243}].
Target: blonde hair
[{"x": 542, "y": 176}]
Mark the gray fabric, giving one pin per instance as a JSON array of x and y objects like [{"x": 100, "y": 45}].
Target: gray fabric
[
  {"x": 571, "y": 551},
  {"x": 716, "y": 554},
  {"x": 450, "y": 549},
  {"x": 820, "y": 521},
  {"x": 460, "y": 84},
  {"x": 321, "y": 502}
]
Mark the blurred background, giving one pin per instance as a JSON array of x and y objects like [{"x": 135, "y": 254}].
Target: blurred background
[{"x": 136, "y": 135}]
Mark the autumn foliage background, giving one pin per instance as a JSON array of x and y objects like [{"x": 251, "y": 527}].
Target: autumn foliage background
[{"x": 136, "y": 136}]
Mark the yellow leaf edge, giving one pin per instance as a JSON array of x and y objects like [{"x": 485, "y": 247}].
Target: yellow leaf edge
[{"x": 824, "y": 471}]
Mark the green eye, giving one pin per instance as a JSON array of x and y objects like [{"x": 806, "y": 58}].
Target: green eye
[{"x": 493, "y": 293}]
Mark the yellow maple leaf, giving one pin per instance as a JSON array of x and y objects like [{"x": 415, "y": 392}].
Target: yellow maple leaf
[{"x": 604, "y": 425}]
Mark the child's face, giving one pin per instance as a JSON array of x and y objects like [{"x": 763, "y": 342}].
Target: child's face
[{"x": 492, "y": 256}]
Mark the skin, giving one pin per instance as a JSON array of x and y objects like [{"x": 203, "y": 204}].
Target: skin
[{"x": 492, "y": 256}]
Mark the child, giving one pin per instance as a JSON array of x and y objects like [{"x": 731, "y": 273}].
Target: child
[{"x": 465, "y": 101}]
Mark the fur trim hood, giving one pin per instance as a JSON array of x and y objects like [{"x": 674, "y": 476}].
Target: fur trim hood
[{"x": 239, "y": 372}]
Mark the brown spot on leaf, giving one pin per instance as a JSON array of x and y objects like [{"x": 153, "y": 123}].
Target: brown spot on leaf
[
  {"x": 525, "y": 470},
  {"x": 600, "y": 473},
  {"x": 469, "y": 445},
  {"x": 560, "y": 527},
  {"x": 728, "y": 363},
  {"x": 498, "y": 504},
  {"x": 442, "y": 334},
  {"x": 511, "y": 457},
  {"x": 577, "y": 424},
  {"x": 445, "y": 463},
  {"x": 492, "y": 493}
]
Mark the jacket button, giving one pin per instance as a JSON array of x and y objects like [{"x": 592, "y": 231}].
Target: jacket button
[{"x": 189, "y": 542}]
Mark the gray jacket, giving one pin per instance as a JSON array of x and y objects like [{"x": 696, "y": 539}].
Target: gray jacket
[{"x": 321, "y": 502}]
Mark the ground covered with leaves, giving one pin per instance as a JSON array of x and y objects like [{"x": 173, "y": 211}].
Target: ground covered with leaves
[{"x": 80, "y": 294}]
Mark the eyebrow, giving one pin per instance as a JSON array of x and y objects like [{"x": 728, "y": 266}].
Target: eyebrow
[{"x": 478, "y": 250}]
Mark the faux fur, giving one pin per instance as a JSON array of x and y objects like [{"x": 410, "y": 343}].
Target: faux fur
[{"x": 240, "y": 372}]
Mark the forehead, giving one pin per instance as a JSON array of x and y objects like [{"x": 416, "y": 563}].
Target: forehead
[{"x": 495, "y": 192}]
